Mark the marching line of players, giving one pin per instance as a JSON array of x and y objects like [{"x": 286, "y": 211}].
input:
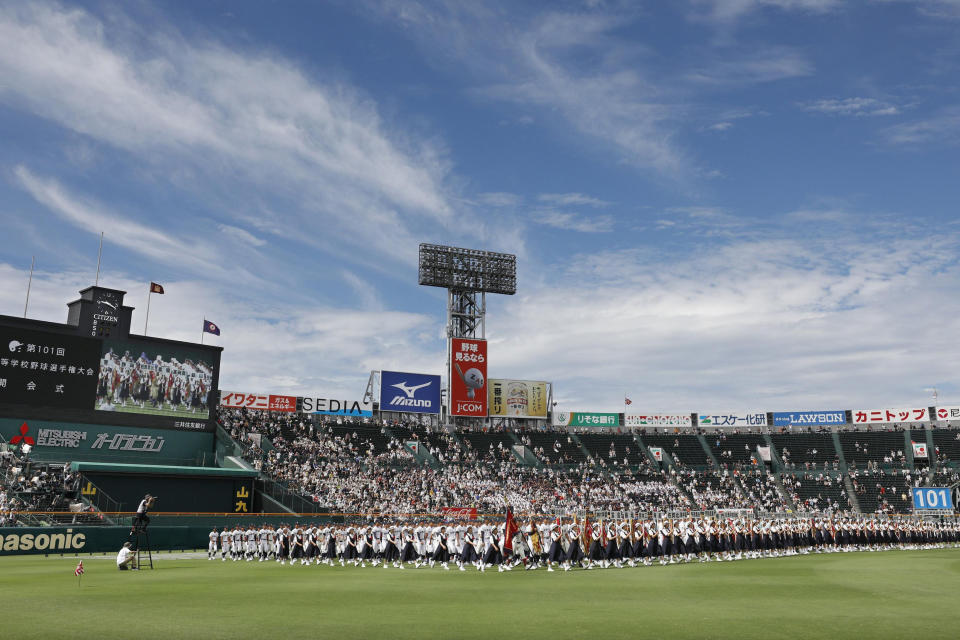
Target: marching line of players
[{"x": 586, "y": 545}]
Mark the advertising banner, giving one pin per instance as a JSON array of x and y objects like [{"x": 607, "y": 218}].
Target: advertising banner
[
  {"x": 334, "y": 407},
  {"x": 883, "y": 416},
  {"x": 80, "y": 539},
  {"x": 657, "y": 453},
  {"x": 261, "y": 401},
  {"x": 919, "y": 449},
  {"x": 948, "y": 413},
  {"x": 518, "y": 398},
  {"x": 290, "y": 404},
  {"x": 409, "y": 392},
  {"x": 803, "y": 418},
  {"x": 585, "y": 419},
  {"x": 657, "y": 420},
  {"x": 90, "y": 442},
  {"x": 764, "y": 453},
  {"x": 720, "y": 419},
  {"x": 468, "y": 377},
  {"x": 466, "y": 513}
]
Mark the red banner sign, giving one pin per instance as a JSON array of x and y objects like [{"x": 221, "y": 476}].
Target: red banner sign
[
  {"x": 468, "y": 377},
  {"x": 262, "y": 401},
  {"x": 465, "y": 513}
]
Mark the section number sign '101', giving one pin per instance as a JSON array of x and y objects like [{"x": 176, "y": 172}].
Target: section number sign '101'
[{"x": 932, "y": 498}]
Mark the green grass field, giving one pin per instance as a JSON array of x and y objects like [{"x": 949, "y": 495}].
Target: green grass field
[
  {"x": 201, "y": 414},
  {"x": 857, "y": 595}
]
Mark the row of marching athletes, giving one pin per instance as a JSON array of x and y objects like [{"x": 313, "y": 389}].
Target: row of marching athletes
[{"x": 586, "y": 545}]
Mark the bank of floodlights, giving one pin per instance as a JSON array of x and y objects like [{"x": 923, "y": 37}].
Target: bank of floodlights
[{"x": 468, "y": 270}]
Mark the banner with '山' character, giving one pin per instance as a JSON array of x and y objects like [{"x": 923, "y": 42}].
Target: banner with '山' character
[{"x": 468, "y": 377}]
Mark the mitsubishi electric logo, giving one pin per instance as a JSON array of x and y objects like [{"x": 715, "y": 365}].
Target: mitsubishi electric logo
[{"x": 410, "y": 391}]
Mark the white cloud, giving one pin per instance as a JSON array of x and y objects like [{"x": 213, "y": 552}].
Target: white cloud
[
  {"x": 764, "y": 65},
  {"x": 730, "y": 10},
  {"x": 574, "y": 222},
  {"x": 853, "y": 107},
  {"x": 233, "y": 128},
  {"x": 574, "y": 199},
  {"x": 499, "y": 199},
  {"x": 940, "y": 128},
  {"x": 241, "y": 235},
  {"x": 720, "y": 126},
  {"x": 95, "y": 218}
]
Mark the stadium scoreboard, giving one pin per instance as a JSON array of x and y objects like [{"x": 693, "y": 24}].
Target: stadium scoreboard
[{"x": 92, "y": 370}]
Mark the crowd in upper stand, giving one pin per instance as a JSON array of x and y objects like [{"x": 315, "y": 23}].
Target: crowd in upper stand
[{"x": 361, "y": 466}]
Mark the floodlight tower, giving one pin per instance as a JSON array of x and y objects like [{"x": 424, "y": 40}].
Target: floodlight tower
[{"x": 467, "y": 274}]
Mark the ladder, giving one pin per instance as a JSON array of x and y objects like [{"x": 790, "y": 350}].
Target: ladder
[{"x": 143, "y": 546}]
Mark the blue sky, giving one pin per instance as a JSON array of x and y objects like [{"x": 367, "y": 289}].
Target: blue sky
[{"x": 716, "y": 204}]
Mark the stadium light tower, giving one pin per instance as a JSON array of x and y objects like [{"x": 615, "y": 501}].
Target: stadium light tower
[
  {"x": 465, "y": 273},
  {"x": 468, "y": 275}
]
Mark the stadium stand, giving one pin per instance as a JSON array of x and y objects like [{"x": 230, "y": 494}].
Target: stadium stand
[
  {"x": 737, "y": 448},
  {"x": 879, "y": 447},
  {"x": 947, "y": 445},
  {"x": 685, "y": 448},
  {"x": 553, "y": 447},
  {"x": 823, "y": 491},
  {"x": 805, "y": 449},
  {"x": 614, "y": 449},
  {"x": 880, "y": 492}
]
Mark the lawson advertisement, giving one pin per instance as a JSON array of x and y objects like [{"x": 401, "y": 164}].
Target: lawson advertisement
[
  {"x": 804, "y": 418},
  {"x": 409, "y": 392}
]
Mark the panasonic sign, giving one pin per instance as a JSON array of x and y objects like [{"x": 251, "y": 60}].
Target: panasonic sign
[{"x": 409, "y": 392}]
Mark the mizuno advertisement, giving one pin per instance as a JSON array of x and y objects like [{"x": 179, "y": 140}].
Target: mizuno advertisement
[{"x": 409, "y": 392}]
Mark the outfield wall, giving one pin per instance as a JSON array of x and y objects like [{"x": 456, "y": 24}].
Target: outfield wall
[{"x": 80, "y": 539}]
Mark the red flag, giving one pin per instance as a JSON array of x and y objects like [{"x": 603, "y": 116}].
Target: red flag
[
  {"x": 510, "y": 529},
  {"x": 79, "y": 570},
  {"x": 156, "y": 288}
]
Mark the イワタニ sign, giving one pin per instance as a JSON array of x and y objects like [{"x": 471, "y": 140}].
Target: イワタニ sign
[
  {"x": 468, "y": 377},
  {"x": 409, "y": 392},
  {"x": 518, "y": 398}
]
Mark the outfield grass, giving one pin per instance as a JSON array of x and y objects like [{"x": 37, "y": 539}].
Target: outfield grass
[
  {"x": 856, "y": 595},
  {"x": 201, "y": 414}
]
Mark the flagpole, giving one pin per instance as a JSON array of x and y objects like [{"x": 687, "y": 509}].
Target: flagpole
[
  {"x": 99, "y": 254},
  {"x": 30, "y": 283},
  {"x": 145, "y": 322},
  {"x": 202, "y": 329}
]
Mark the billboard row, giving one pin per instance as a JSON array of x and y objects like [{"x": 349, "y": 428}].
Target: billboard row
[
  {"x": 314, "y": 404},
  {"x": 409, "y": 392},
  {"x": 518, "y": 398},
  {"x": 468, "y": 377}
]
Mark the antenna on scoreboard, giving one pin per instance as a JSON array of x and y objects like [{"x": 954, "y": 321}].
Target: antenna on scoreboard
[
  {"x": 26, "y": 304},
  {"x": 99, "y": 255}
]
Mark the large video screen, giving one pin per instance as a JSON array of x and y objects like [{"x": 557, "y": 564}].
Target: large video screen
[
  {"x": 40, "y": 369},
  {"x": 151, "y": 379}
]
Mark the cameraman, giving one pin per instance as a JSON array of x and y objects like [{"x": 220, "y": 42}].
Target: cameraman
[
  {"x": 140, "y": 521},
  {"x": 126, "y": 559}
]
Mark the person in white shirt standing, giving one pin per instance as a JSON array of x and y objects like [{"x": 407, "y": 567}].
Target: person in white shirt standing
[{"x": 212, "y": 546}]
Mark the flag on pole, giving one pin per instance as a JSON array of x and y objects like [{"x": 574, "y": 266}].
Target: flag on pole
[
  {"x": 79, "y": 570},
  {"x": 627, "y": 400},
  {"x": 510, "y": 529},
  {"x": 209, "y": 327},
  {"x": 156, "y": 288}
]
